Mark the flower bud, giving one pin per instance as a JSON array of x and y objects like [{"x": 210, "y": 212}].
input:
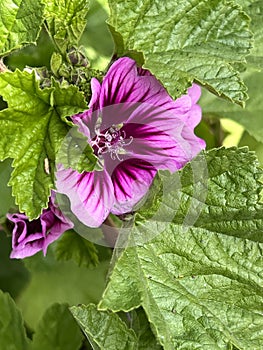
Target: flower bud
[{"x": 77, "y": 58}]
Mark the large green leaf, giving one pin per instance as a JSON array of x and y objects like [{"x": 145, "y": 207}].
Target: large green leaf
[
  {"x": 184, "y": 41},
  {"x": 31, "y": 132},
  {"x": 219, "y": 192},
  {"x": 12, "y": 332},
  {"x": 201, "y": 285},
  {"x": 251, "y": 116},
  {"x": 57, "y": 330},
  {"x": 105, "y": 330},
  {"x": 20, "y": 23},
  {"x": 66, "y": 21}
]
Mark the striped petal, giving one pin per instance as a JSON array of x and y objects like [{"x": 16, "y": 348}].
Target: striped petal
[
  {"x": 131, "y": 180},
  {"x": 90, "y": 193}
]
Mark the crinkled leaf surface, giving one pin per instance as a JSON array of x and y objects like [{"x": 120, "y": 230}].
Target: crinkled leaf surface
[
  {"x": 57, "y": 330},
  {"x": 251, "y": 116},
  {"x": 184, "y": 41},
  {"x": 31, "y": 132},
  {"x": 12, "y": 332},
  {"x": 66, "y": 20},
  {"x": 201, "y": 285},
  {"x": 20, "y": 23},
  {"x": 105, "y": 330},
  {"x": 71, "y": 246},
  {"x": 141, "y": 326}
]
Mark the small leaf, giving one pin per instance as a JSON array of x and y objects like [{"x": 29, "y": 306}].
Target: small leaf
[
  {"x": 201, "y": 284},
  {"x": 20, "y": 23},
  {"x": 105, "y": 330},
  {"x": 71, "y": 246},
  {"x": 186, "y": 41},
  {"x": 12, "y": 331},
  {"x": 141, "y": 326},
  {"x": 31, "y": 132},
  {"x": 57, "y": 330},
  {"x": 76, "y": 153},
  {"x": 66, "y": 20}
]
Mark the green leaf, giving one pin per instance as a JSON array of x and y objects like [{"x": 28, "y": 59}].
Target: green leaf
[
  {"x": 218, "y": 191},
  {"x": 32, "y": 131},
  {"x": 105, "y": 330},
  {"x": 201, "y": 284},
  {"x": 12, "y": 332},
  {"x": 66, "y": 20},
  {"x": 20, "y": 23},
  {"x": 76, "y": 153},
  {"x": 141, "y": 326},
  {"x": 251, "y": 116},
  {"x": 71, "y": 246},
  {"x": 57, "y": 330},
  {"x": 186, "y": 41},
  {"x": 254, "y": 8}
]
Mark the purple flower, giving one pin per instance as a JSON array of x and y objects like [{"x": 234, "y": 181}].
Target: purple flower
[
  {"x": 29, "y": 237},
  {"x": 135, "y": 129}
]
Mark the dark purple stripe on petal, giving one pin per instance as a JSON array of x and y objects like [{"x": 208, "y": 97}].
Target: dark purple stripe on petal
[
  {"x": 91, "y": 194},
  {"x": 131, "y": 180}
]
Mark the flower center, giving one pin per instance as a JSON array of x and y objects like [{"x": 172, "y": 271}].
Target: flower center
[{"x": 112, "y": 140}]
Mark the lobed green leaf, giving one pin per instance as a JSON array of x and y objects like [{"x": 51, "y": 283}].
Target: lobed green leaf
[
  {"x": 186, "y": 41},
  {"x": 66, "y": 21},
  {"x": 200, "y": 284},
  {"x": 20, "y": 23},
  {"x": 32, "y": 130}
]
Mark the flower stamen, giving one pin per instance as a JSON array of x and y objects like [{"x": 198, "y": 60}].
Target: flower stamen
[{"x": 112, "y": 141}]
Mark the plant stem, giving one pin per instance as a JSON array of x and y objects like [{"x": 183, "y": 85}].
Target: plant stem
[
  {"x": 2, "y": 67},
  {"x": 110, "y": 232}
]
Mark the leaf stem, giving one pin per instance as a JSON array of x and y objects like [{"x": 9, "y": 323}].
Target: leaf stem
[{"x": 53, "y": 41}]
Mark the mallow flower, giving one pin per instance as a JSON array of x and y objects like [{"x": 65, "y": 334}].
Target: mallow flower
[
  {"x": 135, "y": 128},
  {"x": 30, "y": 237}
]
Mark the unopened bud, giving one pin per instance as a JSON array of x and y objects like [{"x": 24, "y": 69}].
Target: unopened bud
[{"x": 77, "y": 58}]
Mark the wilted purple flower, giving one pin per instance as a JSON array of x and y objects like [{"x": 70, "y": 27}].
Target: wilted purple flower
[
  {"x": 29, "y": 237},
  {"x": 135, "y": 128}
]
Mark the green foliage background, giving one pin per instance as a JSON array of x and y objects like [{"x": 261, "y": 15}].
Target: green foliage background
[{"x": 37, "y": 283}]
